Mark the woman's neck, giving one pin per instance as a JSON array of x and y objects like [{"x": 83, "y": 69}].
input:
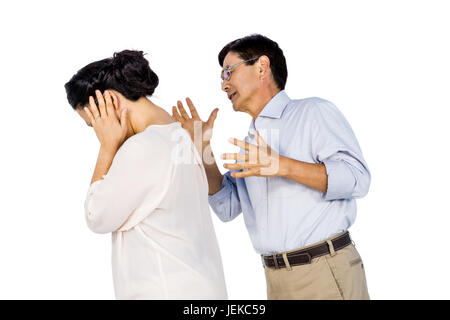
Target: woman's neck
[{"x": 143, "y": 113}]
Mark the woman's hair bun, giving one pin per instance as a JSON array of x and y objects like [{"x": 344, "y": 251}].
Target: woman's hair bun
[
  {"x": 130, "y": 66},
  {"x": 120, "y": 59}
]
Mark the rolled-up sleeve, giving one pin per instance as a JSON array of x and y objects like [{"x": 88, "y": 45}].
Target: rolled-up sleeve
[
  {"x": 139, "y": 173},
  {"x": 335, "y": 145},
  {"x": 226, "y": 203}
]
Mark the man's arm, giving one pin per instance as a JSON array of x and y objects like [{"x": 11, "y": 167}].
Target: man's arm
[
  {"x": 340, "y": 171},
  {"x": 223, "y": 196},
  {"x": 201, "y": 134},
  {"x": 313, "y": 175},
  {"x": 212, "y": 172},
  {"x": 262, "y": 161}
]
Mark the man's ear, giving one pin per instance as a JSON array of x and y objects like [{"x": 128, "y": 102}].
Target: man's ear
[{"x": 263, "y": 66}]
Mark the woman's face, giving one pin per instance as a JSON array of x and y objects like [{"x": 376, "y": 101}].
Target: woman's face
[{"x": 84, "y": 116}]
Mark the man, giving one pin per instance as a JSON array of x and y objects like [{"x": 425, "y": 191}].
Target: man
[{"x": 295, "y": 180}]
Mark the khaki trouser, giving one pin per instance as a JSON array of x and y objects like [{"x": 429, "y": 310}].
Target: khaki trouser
[{"x": 336, "y": 276}]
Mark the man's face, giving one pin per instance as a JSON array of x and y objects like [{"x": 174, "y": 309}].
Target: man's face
[{"x": 243, "y": 84}]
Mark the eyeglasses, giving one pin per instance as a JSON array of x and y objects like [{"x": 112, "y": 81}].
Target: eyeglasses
[{"x": 226, "y": 72}]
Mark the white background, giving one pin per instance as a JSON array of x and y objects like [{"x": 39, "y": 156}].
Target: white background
[{"x": 384, "y": 64}]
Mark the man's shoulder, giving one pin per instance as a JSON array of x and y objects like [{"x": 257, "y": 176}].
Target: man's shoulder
[
  {"x": 311, "y": 101},
  {"x": 308, "y": 106}
]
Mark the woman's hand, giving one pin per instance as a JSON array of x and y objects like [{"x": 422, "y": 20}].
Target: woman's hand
[{"x": 110, "y": 130}]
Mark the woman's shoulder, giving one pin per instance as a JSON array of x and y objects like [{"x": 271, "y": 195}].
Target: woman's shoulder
[
  {"x": 161, "y": 135},
  {"x": 155, "y": 139}
]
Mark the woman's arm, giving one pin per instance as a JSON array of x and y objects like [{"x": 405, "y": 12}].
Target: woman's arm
[
  {"x": 110, "y": 130},
  {"x": 129, "y": 180},
  {"x": 136, "y": 182},
  {"x": 104, "y": 160}
]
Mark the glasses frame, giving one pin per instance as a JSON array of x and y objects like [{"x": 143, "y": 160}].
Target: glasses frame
[{"x": 229, "y": 68}]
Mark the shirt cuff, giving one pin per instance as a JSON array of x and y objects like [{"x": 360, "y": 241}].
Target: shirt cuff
[
  {"x": 341, "y": 181},
  {"x": 220, "y": 195},
  {"x": 94, "y": 186}
]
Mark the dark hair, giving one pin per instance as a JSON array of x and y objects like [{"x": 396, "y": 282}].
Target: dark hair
[
  {"x": 256, "y": 45},
  {"x": 127, "y": 72}
]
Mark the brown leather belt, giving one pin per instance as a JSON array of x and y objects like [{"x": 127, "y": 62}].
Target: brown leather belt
[{"x": 304, "y": 256}]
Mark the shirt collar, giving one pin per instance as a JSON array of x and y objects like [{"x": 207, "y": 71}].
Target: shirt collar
[
  {"x": 273, "y": 109},
  {"x": 276, "y": 106}
]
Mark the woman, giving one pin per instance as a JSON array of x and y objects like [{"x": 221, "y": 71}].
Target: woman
[{"x": 163, "y": 241}]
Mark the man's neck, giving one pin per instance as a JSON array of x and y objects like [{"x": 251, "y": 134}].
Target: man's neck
[{"x": 262, "y": 100}]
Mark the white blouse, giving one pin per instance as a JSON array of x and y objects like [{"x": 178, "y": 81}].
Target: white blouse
[{"x": 154, "y": 200}]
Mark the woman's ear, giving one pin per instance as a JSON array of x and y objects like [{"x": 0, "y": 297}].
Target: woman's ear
[
  {"x": 116, "y": 102},
  {"x": 115, "y": 99}
]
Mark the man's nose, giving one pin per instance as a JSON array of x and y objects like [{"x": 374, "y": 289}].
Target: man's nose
[{"x": 225, "y": 85}]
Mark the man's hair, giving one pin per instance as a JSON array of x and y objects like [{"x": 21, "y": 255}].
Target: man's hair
[
  {"x": 127, "y": 72},
  {"x": 256, "y": 45}
]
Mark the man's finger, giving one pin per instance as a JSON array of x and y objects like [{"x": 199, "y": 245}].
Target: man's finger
[
  {"x": 176, "y": 115},
  {"x": 191, "y": 107},
  {"x": 101, "y": 103},
  {"x": 212, "y": 117},
  {"x": 242, "y": 166},
  {"x": 245, "y": 174},
  {"x": 242, "y": 144},
  {"x": 183, "y": 112},
  {"x": 235, "y": 156}
]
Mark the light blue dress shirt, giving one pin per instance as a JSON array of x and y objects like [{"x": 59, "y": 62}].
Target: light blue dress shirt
[{"x": 281, "y": 214}]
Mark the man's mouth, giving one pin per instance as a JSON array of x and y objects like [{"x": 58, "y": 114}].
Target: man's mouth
[{"x": 230, "y": 96}]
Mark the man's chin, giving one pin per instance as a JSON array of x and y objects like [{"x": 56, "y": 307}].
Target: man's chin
[{"x": 235, "y": 106}]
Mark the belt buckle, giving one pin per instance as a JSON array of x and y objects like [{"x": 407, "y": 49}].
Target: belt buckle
[
  {"x": 307, "y": 254},
  {"x": 274, "y": 258}
]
